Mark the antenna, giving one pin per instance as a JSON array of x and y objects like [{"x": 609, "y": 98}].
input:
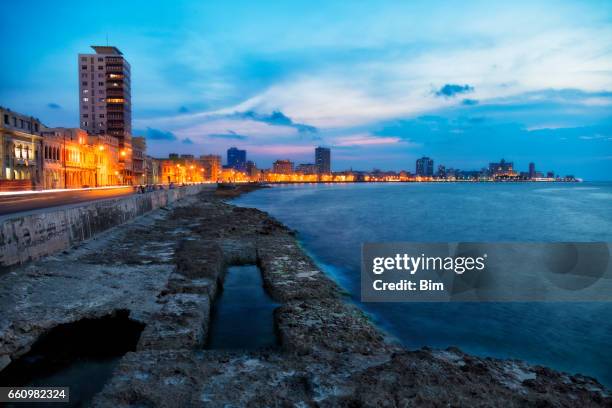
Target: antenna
[{"x": 107, "y": 39}]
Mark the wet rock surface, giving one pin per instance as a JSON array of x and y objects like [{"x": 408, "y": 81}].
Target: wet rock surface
[{"x": 166, "y": 268}]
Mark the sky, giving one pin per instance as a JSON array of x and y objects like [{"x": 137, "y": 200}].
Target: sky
[{"x": 380, "y": 82}]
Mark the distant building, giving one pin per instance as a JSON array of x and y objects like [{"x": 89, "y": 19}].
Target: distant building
[
  {"x": 211, "y": 163},
  {"x": 502, "y": 169},
  {"x": 550, "y": 174},
  {"x": 21, "y": 159},
  {"x": 282, "y": 167},
  {"x": 236, "y": 158},
  {"x": 424, "y": 167},
  {"x": 105, "y": 102},
  {"x": 532, "y": 170},
  {"x": 323, "y": 160},
  {"x": 441, "y": 171},
  {"x": 307, "y": 168},
  {"x": 252, "y": 171}
]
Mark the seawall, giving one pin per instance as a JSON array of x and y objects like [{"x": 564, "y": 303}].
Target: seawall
[{"x": 31, "y": 236}]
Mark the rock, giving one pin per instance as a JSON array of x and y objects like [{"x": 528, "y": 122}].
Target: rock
[{"x": 167, "y": 268}]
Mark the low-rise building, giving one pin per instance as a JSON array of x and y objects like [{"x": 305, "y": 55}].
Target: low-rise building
[
  {"x": 76, "y": 164},
  {"x": 21, "y": 159},
  {"x": 152, "y": 171},
  {"x": 282, "y": 167},
  {"x": 211, "y": 163},
  {"x": 107, "y": 159},
  {"x": 307, "y": 168},
  {"x": 139, "y": 148}
]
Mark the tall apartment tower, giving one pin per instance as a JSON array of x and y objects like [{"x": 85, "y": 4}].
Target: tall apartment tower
[
  {"x": 105, "y": 102},
  {"x": 424, "y": 167},
  {"x": 323, "y": 160},
  {"x": 236, "y": 158},
  {"x": 532, "y": 170}
]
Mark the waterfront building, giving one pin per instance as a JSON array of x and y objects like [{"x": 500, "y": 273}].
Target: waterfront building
[
  {"x": 532, "y": 170},
  {"x": 424, "y": 167},
  {"x": 107, "y": 162},
  {"x": 76, "y": 164},
  {"x": 252, "y": 171},
  {"x": 152, "y": 171},
  {"x": 211, "y": 163},
  {"x": 503, "y": 169},
  {"x": 20, "y": 151},
  {"x": 236, "y": 158},
  {"x": 307, "y": 168},
  {"x": 282, "y": 167},
  {"x": 181, "y": 170},
  {"x": 105, "y": 105},
  {"x": 139, "y": 148},
  {"x": 441, "y": 171},
  {"x": 323, "y": 160}
]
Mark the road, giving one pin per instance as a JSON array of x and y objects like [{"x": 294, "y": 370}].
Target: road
[{"x": 14, "y": 203}]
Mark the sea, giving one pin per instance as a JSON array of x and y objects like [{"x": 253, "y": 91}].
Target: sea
[{"x": 333, "y": 220}]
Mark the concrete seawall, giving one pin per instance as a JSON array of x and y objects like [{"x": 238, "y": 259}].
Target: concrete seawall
[{"x": 31, "y": 236}]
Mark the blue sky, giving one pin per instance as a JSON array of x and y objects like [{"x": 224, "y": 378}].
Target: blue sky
[{"x": 382, "y": 83}]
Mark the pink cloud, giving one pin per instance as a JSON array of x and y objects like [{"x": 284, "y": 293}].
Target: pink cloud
[{"x": 365, "y": 140}]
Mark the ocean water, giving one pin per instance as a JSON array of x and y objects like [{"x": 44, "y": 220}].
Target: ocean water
[{"x": 333, "y": 220}]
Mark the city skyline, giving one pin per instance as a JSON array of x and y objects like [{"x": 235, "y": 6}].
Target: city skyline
[{"x": 406, "y": 92}]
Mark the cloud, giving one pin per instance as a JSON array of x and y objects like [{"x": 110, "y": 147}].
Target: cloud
[
  {"x": 469, "y": 102},
  {"x": 276, "y": 118},
  {"x": 156, "y": 134},
  {"x": 450, "y": 90},
  {"x": 229, "y": 135},
  {"x": 365, "y": 140},
  {"x": 53, "y": 105},
  {"x": 187, "y": 141},
  {"x": 183, "y": 109}
]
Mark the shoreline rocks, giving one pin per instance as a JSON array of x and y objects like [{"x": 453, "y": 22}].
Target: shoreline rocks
[{"x": 330, "y": 353}]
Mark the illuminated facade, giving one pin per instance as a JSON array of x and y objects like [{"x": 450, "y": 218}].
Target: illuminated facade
[
  {"x": 69, "y": 160},
  {"x": 105, "y": 105},
  {"x": 502, "y": 169},
  {"x": 181, "y": 170},
  {"x": 282, "y": 167},
  {"x": 20, "y": 151},
  {"x": 211, "y": 163},
  {"x": 107, "y": 159}
]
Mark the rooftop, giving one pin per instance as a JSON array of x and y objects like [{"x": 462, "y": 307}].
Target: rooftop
[{"x": 105, "y": 49}]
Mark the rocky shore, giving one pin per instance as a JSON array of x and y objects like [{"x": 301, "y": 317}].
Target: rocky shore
[{"x": 167, "y": 267}]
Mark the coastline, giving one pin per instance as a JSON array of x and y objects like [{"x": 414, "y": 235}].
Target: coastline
[{"x": 329, "y": 353}]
